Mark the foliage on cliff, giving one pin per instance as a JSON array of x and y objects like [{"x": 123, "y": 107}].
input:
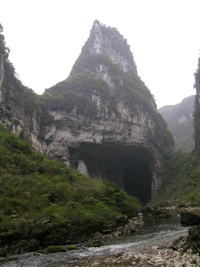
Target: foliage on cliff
[
  {"x": 197, "y": 109},
  {"x": 182, "y": 179},
  {"x": 37, "y": 192},
  {"x": 20, "y": 96},
  {"x": 196, "y": 116},
  {"x": 3, "y": 49},
  {"x": 182, "y": 170},
  {"x": 4, "y": 54}
]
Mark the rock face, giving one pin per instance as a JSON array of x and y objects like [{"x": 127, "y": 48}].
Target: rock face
[
  {"x": 17, "y": 109},
  {"x": 100, "y": 43},
  {"x": 102, "y": 120},
  {"x": 197, "y": 109}
]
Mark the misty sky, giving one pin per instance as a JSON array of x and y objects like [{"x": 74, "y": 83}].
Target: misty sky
[{"x": 46, "y": 36}]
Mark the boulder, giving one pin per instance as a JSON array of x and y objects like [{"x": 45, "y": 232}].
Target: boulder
[
  {"x": 189, "y": 218},
  {"x": 180, "y": 243},
  {"x": 192, "y": 241}
]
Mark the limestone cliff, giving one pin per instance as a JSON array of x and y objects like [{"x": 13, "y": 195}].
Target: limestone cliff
[
  {"x": 197, "y": 109},
  {"x": 21, "y": 110},
  {"x": 102, "y": 120},
  {"x": 18, "y": 110}
]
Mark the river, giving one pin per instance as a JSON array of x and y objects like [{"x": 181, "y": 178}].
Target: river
[{"x": 154, "y": 233}]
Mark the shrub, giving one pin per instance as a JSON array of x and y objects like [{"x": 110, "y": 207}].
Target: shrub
[{"x": 182, "y": 179}]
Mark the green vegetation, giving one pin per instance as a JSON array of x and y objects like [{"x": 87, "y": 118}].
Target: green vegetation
[
  {"x": 4, "y": 54},
  {"x": 38, "y": 194},
  {"x": 181, "y": 182},
  {"x": 80, "y": 85},
  {"x": 197, "y": 124},
  {"x": 197, "y": 109},
  {"x": 77, "y": 91},
  {"x": 3, "y": 49},
  {"x": 17, "y": 93},
  {"x": 126, "y": 84}
]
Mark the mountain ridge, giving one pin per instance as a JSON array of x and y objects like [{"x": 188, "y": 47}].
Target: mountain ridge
[{"x": 179, "y": 118}]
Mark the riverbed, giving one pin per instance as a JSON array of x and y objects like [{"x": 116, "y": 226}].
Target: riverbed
[{"x": 155, "y": 233}]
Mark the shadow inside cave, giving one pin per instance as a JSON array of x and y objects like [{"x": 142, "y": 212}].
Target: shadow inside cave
[
  {"x": 137, "y": 179},
  {"x": 127, "y": 166}
]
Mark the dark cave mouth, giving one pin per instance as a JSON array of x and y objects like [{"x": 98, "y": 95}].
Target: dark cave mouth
[
  {"x": 127, "y": 166},
  {"x": 137, "y": 179}
]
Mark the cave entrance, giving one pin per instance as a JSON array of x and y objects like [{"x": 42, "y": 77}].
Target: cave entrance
[
  {"x": 127, "y": 166},
  {"x": 137, "y": 179}
]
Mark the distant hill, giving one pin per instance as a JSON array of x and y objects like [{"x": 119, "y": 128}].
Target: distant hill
[{"x": 179, "y": 118}]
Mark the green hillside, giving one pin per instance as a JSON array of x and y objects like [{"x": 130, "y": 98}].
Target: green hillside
[
  {"x": 182, "y": 179},
  {"x": 40, "y": 195}
]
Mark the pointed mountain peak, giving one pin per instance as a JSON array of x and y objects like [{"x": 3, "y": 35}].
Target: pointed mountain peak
[{"x": 107, "y": 41}]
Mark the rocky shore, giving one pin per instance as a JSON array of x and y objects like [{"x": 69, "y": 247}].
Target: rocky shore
[
  {"x": 124, "y": 225},
  {"x": 154, "y": 257},
  {"x": 181, "y": 252}
]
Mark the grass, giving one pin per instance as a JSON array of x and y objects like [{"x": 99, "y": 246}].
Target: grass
[{"x": 38, "y": 194}]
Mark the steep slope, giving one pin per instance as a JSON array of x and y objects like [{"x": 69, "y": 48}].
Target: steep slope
[
  {"x": 179, "y": 118},
  {"x": 42, "y": 202},
  {"x": 197, "y": 109},
  {"x": 101, "y": 121},
  {"x": 182, "y": 180},
  {"x": 21, "y": 110}
]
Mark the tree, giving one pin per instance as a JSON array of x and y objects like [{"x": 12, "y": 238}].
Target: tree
[{"x": 197, "y": 123}]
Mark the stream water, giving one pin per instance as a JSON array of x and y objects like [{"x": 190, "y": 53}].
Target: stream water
[{"x": 153, "y": 233}]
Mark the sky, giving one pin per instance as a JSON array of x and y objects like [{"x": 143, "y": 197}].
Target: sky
[{"x": 45, "y": 38}]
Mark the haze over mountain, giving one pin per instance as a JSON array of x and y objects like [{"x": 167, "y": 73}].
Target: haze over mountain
[{"x": 179, "y": 118}]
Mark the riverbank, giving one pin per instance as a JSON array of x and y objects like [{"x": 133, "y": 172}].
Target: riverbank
[
  {"x": 154, "y": 257},
  {"x": 141, "y": 248},
  {"x": 124, "y": 226}
]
